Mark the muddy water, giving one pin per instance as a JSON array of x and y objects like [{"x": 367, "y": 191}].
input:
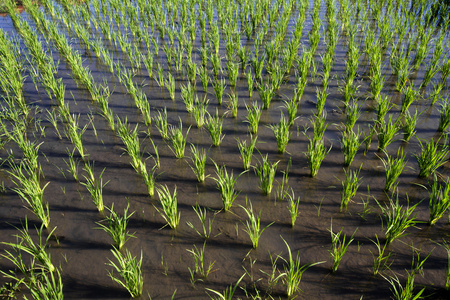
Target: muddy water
[{"x": 82, "y": 251}]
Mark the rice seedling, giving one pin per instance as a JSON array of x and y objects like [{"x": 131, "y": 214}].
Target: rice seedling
[
  {"x": 282, "y": 134},
  {"x": 214, "y": 125},
  {"x": 409, "y": 96},
  {"x": 187, "y": 94},
  {"x": 228, "y": 294},
  {"x": 225, "y": 184},
  {"x": 219, "y": 88},
  {"x": 52, "y": 117},
  {"x": 351, "y": 141},
  {"x": 409, "y": 128},
  {"x": 431, "y": 157},
  {"x": 205, "y": 233},
  {"x": 446, "y": 246},
  {"x": 169, "y": 206},
  {"x": 380, "y": 261},
  {"x": 178, "y": 140},
  {"x": 353, "y": 111},
  {"x": 233, "y": 104},
  {"x": 233, "y": 72},
  {"x": 293, "y": 206},
  {"x": 444, "y": 119},
  {"x": 398, "y": 219},
  {"x": 116, "y": 226},
  {"x": 247, "y": 151},
  {"x": 131, "y": 142},
  {"x": 161, "y": 124},
  {"x": 383, "y": 107},
  {"x": 386, "y": 133},
  {"x": 199, "y": 111},
  {"x": 200, "y": 268},
  {"x": 199, "y": 163},
  {"x": 129, "y": 268},
  {"x": 316, "y": 154},
  {"x": 250, "y": 83},
  {"x": 253, "y": 115},
  {"x": 349, "y": 187},
  {"x": 95, "y": 188},
  {"x": 338, "y": 247},
  {"x": 266, "y": 174},
  {"x": 149, "y": 177},
  {"x": 30, "y": 191},
  {"x": 170, "y": 85},
  {"x": 75, "y": 134},
  {"x": 204, "y": 77},
  {"x": 439, "y": 200},
  {"x": 38, "y": 251},
  {"x": 291, "y": 108},
  {"x": 266, "y": 92},
  {"x": 72, "y": 164},
  {"x": 293, "y": 271},
  {"x": 253, "y": 225},
  {"x": 393, "y": 168},
  {"x": 216, "y": 62}
]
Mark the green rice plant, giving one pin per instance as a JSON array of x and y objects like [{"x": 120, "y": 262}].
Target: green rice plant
[
  {"x": 293, "y": 271},
  {"x": 338, "y": 247},
  {"x": 75, "y": 134},
  {"x": 444, "y": 119},
  {"x": 253, "y": 225},
  {"x": 160, "y": 79},
  {"x": 282, "y": 134},
  {"x": 293, "y": 206},
  {"x": 386, "y": 133},
  {"x": 407, "y": 292},
  {"x": 380, "y": 260},
  {"x": 291, "y": 108},
  {"x": 250, "y": 83},
  {"x": 204, "y": 77},
  {"x": 409, "y": 128},
  {"x": 228, "y": 294},
  {"x": 148, "y": 62},
  {"x": 219, "y": 88},
  {"x": 253, "y": 116},
  {"x": 30, "y": 191},
  {"x": 170, "y": 85},
  {"x": 52, "y": 117},
  {"x": 225, "y": 184},
  {"x": 266, "y": 92},
  {"x": 178, "y": 140},
  {"x": 187, "y": 94},
  {"x": 321, "y": 100},
  {"x": 233, "y": 103},
  {"x": 130, "y": 139},
  {"x": 439, "y": 200},
  {"x": 446, "y": 246},
  {"x": 199, "y": 111},
  {"x": 200, "y": 268},
  {"x": 72, "y": 164},
  {"x": 351, "y": 141},
  {"x": 169, "y": 206},
  {"x": 247, "y": 151},
  {"x": 95, "y": 188},
  {"x": 266, "y": 174},
  {"x": 398, "y": 219},
  {"x": 437, "y": 92},
  {"x": 191, "y": 70},
  {"x": 214, "y": 125},
  {"x": 38, "y": 251},
  {"x": 162, "y": 125},
  {"x": 409, "y": 96},
  {"x": 199, "y": 163},
  {"x": 383, "y": 107},
  {"x": 431, "y": 157},
  {"x": 352, "y": 113},
  {"x": 206, "y": 228},
  {"x": 233, "y": 72},
  {"x": 116, "y": 226},
  {"x": 393, "y": 168},
  {"x": 376, "y": 81},
  {"x": 349, "y": 187},
  {"x": 149, "y": 177},
  {"x": 129, "y": 268},
  {"x": 316, "y": 154},
  {"x": 216, "y": 62}
]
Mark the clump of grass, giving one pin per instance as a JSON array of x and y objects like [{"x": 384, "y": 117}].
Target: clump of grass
[
  {"x": 253, "y": 115},
  {"x": 386, "y": 132},
  {"x": 293, "y": 271},
  {"x": 409, "y": 126},
  {"x": 225, "y": 184},
  {"x": 439, "y": 200},
  {"x": 233, "y": 103},
  {"x": 282, "y": 134},
  {"x": 178, "y": 140},
  {"x": 206, "y": 228},
  {"x": 199, "y": 163},
  {"x": 169, "y": 206},
  {"x": 409, "y": 96},
  {"x": 349, "y": 187},
  {"x": 187, "y": 94},
  {"x": 161, "y": 124},
  {"x": 266, "y": 173},
  {"x": 380, "y": 261},
  {"x": 351, "y": 141},
  {"x": 293, "y": 206},
  {"x": 338, "y": 247},
  {"x": 94, "y": 186},
  {"x": 129, "y": 268},
  {"x": 247, "y": 150},
  {"x": 444, "y": 119},
  {"x": 117, "y": 226},
  {"x": 393, "y": 168},
  {"x": 431, "y": 157},
  {"x": 214, "y": 125},
  {"x": 199, "y": 111},
  {"x": 200, "y": 268},
  {"x": 316, "y": 154},
  {"x": 219, "y": 88},
  {"x": 253, "y": 225}
]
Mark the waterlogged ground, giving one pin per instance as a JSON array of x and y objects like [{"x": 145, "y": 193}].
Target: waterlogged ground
[{"x": 82, "y": 251}]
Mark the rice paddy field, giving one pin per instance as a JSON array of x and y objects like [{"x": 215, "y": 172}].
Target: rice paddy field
[{"x": 220, "y": 149}]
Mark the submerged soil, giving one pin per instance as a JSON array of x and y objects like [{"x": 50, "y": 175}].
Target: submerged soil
[{"x": 82, "y": 251}]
